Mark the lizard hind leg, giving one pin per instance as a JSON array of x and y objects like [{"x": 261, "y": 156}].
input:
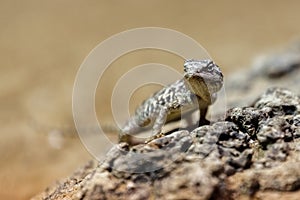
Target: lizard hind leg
[
  {"x": 158, "y": 124},
  {"x": 132, "y": 127}
]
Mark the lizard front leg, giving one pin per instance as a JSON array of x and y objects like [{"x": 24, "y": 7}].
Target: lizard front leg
[
  {"x": 202, "y": 117},
  {"x": 203, "y": 107}
]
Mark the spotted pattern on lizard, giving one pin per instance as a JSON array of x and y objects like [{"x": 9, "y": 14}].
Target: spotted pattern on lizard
[{"x": 196, "y": 90}]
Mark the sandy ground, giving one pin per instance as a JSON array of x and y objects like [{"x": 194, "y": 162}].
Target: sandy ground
[{"x": 43, "y": 43}]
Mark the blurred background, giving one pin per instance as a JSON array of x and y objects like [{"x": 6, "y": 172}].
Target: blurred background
[{"x": 43, "y": 43}]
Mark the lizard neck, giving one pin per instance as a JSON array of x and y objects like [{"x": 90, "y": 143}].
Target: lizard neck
[{"x": 198, "y": 86}]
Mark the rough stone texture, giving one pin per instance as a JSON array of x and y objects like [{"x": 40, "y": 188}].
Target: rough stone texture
[
  {"x": 254, "y": 150},
  {"x": 252, "y": 153}
]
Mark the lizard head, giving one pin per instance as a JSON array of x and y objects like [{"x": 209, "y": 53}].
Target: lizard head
[{"x": 203, "y": 76}]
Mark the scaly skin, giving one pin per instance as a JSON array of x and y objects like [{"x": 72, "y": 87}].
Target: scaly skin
[{"x": 197, "y": 90}]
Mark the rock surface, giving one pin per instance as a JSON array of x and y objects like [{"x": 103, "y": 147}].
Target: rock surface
[{"x": 252, "y": 152}]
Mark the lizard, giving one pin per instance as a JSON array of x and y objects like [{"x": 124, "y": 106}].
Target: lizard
[{"x": 197, "y": 89}]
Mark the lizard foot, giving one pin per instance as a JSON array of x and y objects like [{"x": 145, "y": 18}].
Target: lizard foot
[
  {"x": 203, "y": 122},
  {"x": 130, "y": 140},
  {"x": 156, "y": 136}
]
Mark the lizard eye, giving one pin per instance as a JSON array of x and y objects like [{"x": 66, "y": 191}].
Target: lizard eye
[{"x": 210, "y": 66}]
